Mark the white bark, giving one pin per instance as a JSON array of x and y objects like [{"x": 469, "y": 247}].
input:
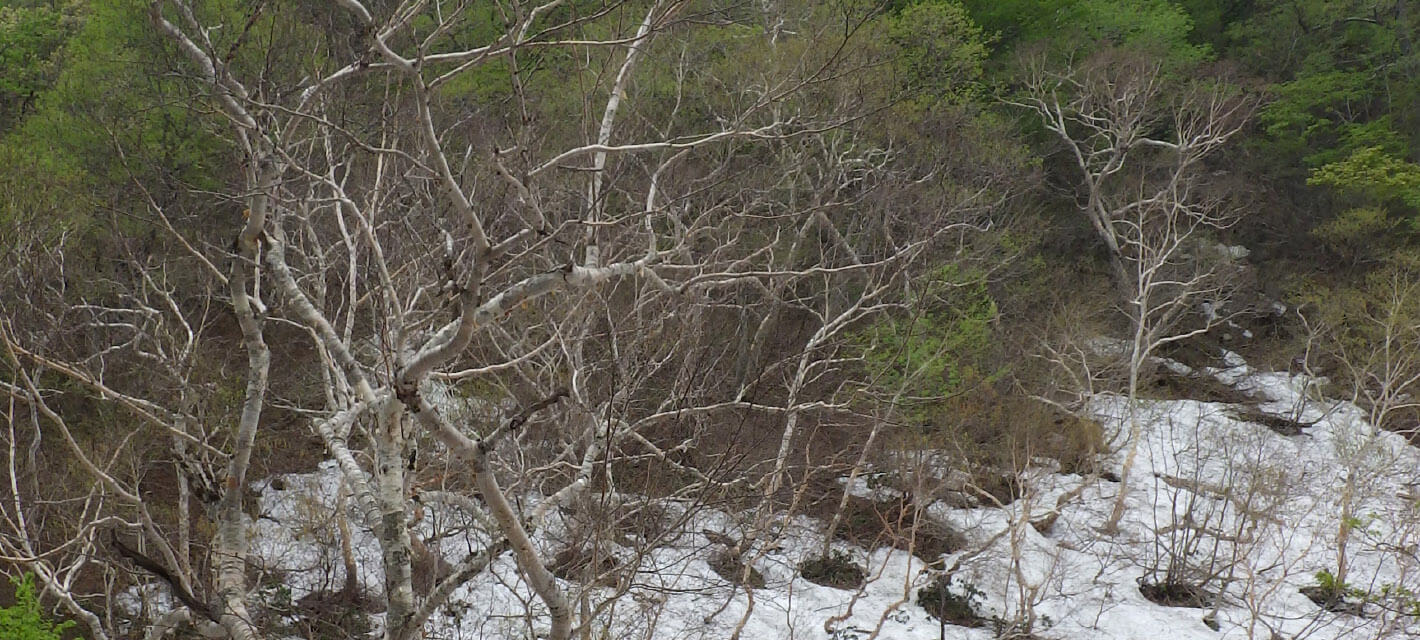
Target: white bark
[
  {"x": 375, "y": 240},
  {"x": 1142, "y": 194}
]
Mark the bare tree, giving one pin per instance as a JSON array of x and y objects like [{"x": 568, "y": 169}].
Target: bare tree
[
  {"x": 390, "y": 244},
  {"x": 1369, "y": 334},
  {"x": 1137, "y": 142}
]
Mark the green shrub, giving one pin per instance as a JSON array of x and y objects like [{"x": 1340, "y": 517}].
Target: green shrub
[
  {"x": 941, "y": 348},
  {"x": 1336, "y": 596},
  {"x": 26, "y": 620}
]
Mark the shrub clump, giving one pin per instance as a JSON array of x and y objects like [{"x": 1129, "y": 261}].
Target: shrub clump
[
  {"x": 730, "y": 567},
  {"x": 945, "y": 604},
  {"x": 836, "y": 570},
  {"x": 1335, "y": 596},
  {"x": 1176, "y": 594},
  {"x": 896, "y": 523}
]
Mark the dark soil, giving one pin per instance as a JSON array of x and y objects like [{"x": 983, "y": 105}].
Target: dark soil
[
  {"x": 644, "y": 521},
  {"x": 1167, "y": 385},
  {"x": 575, "y": 564},
  {"x": 1004, "y": 488},
  {"x": 332, "y": 615}
]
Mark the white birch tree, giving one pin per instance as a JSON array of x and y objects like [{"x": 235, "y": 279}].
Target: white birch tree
[
  {"x": 1137, "y": 142},
  {"x": 392, "y": 238}
]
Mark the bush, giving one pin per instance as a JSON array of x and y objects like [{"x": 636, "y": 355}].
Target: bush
[
  {"x": 836, "y": 570},
  {"x": 898, "y": 523},
  {"x": 942, "y": 349},
  {"x": 26, "y": 620},
  {"x": 1176, "y": 594},
  {"x": 951, "y": 607},
  {"x": 729, "y": 566},
  {"x": 1334, "y": 595}
]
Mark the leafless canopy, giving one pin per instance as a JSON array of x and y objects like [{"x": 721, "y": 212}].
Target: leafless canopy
[{"x": 469, "y": 301}]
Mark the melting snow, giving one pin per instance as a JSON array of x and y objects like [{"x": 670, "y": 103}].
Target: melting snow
[{"x": 1271, "y": 502}]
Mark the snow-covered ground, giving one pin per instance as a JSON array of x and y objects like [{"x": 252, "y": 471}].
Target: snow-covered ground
[{"x": 1258, "y": 510}]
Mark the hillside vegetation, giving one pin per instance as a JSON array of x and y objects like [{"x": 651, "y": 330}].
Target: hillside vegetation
[{"x": 671, "y": 318}]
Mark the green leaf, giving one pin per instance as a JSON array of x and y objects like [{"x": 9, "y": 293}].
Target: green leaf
[
  {"x": 1374, "y": 175},
  {"x": 26, "y": 620}
]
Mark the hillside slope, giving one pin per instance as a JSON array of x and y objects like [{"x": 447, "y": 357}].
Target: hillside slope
[{"x": 1247, "y": 512}]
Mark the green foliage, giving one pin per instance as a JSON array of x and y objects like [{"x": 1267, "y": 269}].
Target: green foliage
[
  {"x": 26, "y": 620},
  {"x": 31, "y": 36},
  {"x": 1358, "y": 234},
  {"x": 941, "y": 347},
  {"x": 706, "y": 87},
  {"x": 490, "y": 84},
  {"x": 1341, "y": 597},
  {"x": 1212, "y": 18},
  {"x": 940, "y": 50},
  {"x": 1344, "y": 111},
  {"x": 1307, "y": 115},
  {"x": 1077, "y": 27},
  {"x": 111, "y": 119},
  {"x": 1343, "y": 83},
  {"x": 1315, "y": 117},
  {"x": 1291, "y": 38},
  {"x": 1335, "y": 589},
  {"x": 1384, "y": 186},
  {"x": 1374, "y": 175},
  {"x": 1152, "y": 25}
]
